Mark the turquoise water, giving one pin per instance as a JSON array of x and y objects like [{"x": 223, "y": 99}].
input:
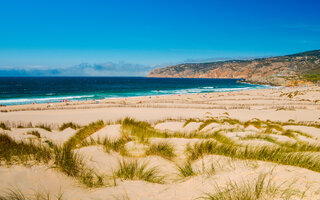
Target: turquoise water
[{"x": 26, "y": 90}]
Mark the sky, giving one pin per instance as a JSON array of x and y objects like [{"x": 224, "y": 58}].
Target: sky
[{"x": 131, "y": 37}]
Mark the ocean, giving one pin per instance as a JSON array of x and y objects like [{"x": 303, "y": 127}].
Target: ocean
[{"x": 26, "y": 90}]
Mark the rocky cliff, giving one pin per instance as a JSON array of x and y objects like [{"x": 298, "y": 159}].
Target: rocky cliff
[{"x": 282, "y": 70}]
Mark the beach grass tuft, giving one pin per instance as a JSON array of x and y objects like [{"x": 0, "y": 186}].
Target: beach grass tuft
[
  {"x": 4, "y": 126},
  {"x": 17, "y": 194},
  {"x": 116, "y": 145},
  {"x": 35, "y": 133},
  {"x": 141, "y": 130},
  {"x": 188, "y": 121},
  {"x": 14, "y": 194},
  {"x": 186, "y": 170},
  {"x": 12, "y": 152},
  {"x": 73, "y": 165},
  {"x": 20, "y": 152},
  {"x": 250, "y": 190},
  {"x": 163, "y": 149},
  {"x": 254, "y": 122},
  {"x": 109, "y": 144},
  {"x": 44, "y": 126},
  {"x": 69, "y": 125},
  {"x": 84, "y": 133},
  {"x": 134, "y": 170}
]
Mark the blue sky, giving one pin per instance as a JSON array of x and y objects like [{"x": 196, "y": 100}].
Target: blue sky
[{"x": 58, "y": 34}]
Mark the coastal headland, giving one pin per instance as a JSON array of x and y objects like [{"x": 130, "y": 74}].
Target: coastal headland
[{"x": 289, "y": 70}]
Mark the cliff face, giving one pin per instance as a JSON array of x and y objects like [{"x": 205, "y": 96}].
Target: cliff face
[{"x": 274, "y": 71}]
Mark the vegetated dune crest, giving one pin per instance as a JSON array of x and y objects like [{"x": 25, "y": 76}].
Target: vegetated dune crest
[{"x": 210, "y": 158}]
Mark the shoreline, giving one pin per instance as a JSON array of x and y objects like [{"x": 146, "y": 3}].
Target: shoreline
[
  {"x": 54, "y": 96},
  {"x": 65, "y": 105},
  {"x": 282, "y": 103}
]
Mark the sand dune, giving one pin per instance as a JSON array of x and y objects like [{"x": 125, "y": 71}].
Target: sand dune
[{"x": 170, "y": 147}]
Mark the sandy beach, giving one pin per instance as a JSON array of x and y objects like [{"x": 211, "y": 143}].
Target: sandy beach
[{"x": 186, "y": 146}]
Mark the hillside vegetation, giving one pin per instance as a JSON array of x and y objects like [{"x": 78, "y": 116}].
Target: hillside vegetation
[{"x": 295, "y": 69}]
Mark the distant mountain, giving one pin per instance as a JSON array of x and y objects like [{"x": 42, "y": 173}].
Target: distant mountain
[{"x": 282, "y": 70}]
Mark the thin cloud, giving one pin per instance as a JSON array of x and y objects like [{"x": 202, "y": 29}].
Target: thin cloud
[{"x": 84, "y": 69}]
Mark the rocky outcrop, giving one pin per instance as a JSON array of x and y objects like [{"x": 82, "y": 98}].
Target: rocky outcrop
[{"x": 274, "y": 71}]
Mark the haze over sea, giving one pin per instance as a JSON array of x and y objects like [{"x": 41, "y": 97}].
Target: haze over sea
[{"x": 26, "y": 90}]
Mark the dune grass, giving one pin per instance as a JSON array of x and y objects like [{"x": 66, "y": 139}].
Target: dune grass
[
  {"x": 224, "y": 120},
  {"x": 109, "y": 145},
  {"x": 259, "y": 124},
  {"x": 208, "y": 170},
  {"x": 44, "y": 126},
  {"x": 133, "y": 170},
  {"x": 35, "y": 133},
  {"x": 286, "y": 153},
  {"x": 188, "y": 121},
  {"x": 289, "y": 133},
  {"x": 254, "y": 122},
  {"x": 298, "y": 146},
  {"x": 20, "y": 152},
  {"x": 4, "y": 126},
  {"x": 253, "y": 190},
  {"x": 271, "y": 127},
  {"x": 139, "y": 129},
  {"x": 84, "y": 133},
  {"x": 67, "y": 161},
  {"x": 69, "y": 125},
  {"x": 12, "y": 152},
  {"x": 163, "y": 149},
  {"x": 73, "y": 165},
  {"x": 186, "y": 170},
  {"x": 296, "y": 154},
  {"x": 18, "y": 124},
  {"x": 16, "y": 194},
  {"x": 143, "y": 131},
  {"x": 116, "y": 145},
  {"x": 221, "y": 138},
  {"x": 301, "y": 146},
  {"x": 264, "y": 153},
  {"x": 301, "y": 133},
  {"x": 206, "y": 123}
]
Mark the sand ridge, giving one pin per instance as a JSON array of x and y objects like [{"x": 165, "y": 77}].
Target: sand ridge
[{"x": 239, "y": 122}]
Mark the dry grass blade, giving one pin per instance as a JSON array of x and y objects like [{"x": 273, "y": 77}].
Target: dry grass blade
[
  {"x": 133, "y": 170},
  {"x": 4, "y": 126},
  {"x": 73, "y": 165},
  {"x": 278, "y": 155},
  {"x": 35, "y": 133},
  {"x": 84, "y": 133},
  {"x": 186, "y": 170},
  {"x": 69, "y": 125},
  {"x": 254, "y": 190},
  {"x": 16, "y": 194},
  {"x": 12, "y": 151},
  {"x": 163, "y": 149},
  {"x": 44, "y": 126}
]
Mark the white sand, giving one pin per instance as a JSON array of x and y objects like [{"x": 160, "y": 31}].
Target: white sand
[{"x": 270, "y": 104}]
